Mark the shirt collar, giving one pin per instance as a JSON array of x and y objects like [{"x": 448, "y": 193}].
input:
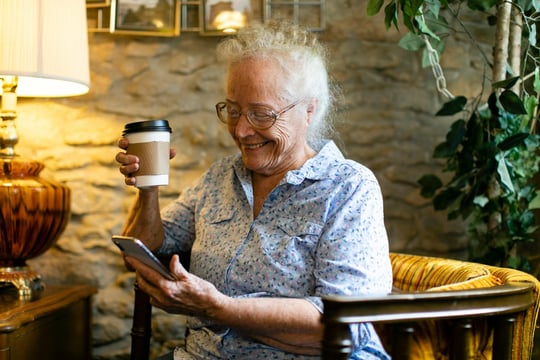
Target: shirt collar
[{"x": 318, "y": 167}]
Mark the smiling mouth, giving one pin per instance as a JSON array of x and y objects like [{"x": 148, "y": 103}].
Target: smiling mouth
[{"x": 253, "y": 146}]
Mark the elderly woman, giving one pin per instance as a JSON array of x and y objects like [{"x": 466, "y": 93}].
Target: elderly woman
[{"x": 273, "y": 228}]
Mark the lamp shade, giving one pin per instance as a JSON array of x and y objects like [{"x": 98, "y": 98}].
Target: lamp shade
[{"x": 45, "y": 44}]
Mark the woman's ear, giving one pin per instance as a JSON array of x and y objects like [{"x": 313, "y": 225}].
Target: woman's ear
[{"x": 311, "y": 107}]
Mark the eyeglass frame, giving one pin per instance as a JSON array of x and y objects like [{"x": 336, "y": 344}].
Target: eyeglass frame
[{"x": 273, "y": 114}]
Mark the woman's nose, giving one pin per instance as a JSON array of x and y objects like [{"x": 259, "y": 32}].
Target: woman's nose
[{"x": 243, "y": 128}]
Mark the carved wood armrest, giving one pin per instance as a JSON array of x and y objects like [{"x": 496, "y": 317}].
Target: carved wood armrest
[{"x": 502, "y": 303}]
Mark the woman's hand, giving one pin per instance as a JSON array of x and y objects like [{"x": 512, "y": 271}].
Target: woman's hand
[
  {"x": 129, "y": 164},
  {"x": 291, "y": 324},
  {"x": 188, "y": 295}
]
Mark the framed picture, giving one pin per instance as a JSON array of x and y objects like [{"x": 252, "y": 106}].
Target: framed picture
[
  {"x": 97, "y": 3},
  {"x": 223, "y": 17},
  {"x": 98, "y": 19},
  {"x": 310, "y": 13},
  {"x": 189, "y": 15},
  {"x": 145, "y": 17}
]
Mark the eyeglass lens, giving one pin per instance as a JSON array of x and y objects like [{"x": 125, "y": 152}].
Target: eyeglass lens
[{"x": 261, "y": 117}]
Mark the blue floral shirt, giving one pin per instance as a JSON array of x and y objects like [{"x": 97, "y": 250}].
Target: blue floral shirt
[{"x": 320, "y": 231}]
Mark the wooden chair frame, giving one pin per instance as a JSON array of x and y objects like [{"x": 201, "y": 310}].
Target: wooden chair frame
[
  {"x": 501, "y": 303},
  {"x": 141, "y": 326}
]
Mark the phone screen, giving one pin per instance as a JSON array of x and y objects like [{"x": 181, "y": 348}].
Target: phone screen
[{"x": 134, "y": 247}]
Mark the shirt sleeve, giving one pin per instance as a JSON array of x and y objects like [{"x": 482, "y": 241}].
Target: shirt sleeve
[
  {"x": 352, "y": 254},
  {"x": 178, "y": 219}
]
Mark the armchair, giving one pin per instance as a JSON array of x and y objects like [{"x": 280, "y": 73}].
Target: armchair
[
  {"x": 443, "y": 309},
  {"x": 439, "y": 306}
]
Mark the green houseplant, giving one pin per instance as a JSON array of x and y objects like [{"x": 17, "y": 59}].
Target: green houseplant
[{"x": 491, "y": 149}]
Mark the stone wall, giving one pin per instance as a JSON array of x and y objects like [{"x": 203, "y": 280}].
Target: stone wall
[{"x": 387, "y": 124}]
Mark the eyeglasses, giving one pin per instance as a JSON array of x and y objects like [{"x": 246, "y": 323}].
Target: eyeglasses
[{"x": 260, "y": 117}]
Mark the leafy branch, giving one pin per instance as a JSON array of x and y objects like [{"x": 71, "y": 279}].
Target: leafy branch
[{"x": 491, "y": 150}]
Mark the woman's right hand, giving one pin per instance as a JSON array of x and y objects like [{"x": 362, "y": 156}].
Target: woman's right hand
[{"x": 129, "y": 164}]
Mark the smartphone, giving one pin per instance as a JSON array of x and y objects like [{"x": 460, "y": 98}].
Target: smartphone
[{"x": 134, "y": 247}]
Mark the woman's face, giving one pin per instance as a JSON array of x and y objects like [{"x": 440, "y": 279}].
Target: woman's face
[{"x": 283, "y": 146}]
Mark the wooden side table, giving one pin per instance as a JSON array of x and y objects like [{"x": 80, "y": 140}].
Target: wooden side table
[{"x": 55, "y": 326}]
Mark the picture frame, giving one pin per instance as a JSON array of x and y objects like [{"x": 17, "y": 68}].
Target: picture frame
[
  {"x": 309, "y": 13},
  {"x": 98, "y": 19},
  {"x": 189, "y": 15},
  {"x": 221, "y": 18},
  {"x": 145, "y": 17},
  {"x": 97, "y": 3}
]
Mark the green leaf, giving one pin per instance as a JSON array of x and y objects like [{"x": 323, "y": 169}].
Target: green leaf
[
  {"x": 430, "y": 184},
  {"x": 455, "y": 135},
  {"x": 535, "y": 202},
  {"x": 536, "y": 83},
  {"x": 411, "y": 7},
  {"x": 433, "y": 7},
  {"x": 374, "y": 6},
  {"x": 502, "y": 170},
  {"x": 409, "y": 24},
  {"x": 506, "y": 84},
  {"x": 513, "y": 141},
  {"x": 443, "y": 150},
  {"x": 411, "y": 42},
  {"x": 453, "y": 106},
  {"x": 445, "y": 198},
  {"x": 391, "y": 15},
  {"x": 512, "y": 103},
  {"x": 527, "y": 219},
  {"x": 437, "y": 24},
  {"x": 422, "y": 26},
  {"x": 426, "y": 62},
  {"x": 481, "y": 200},
  {"x": 531, "y": 103}
]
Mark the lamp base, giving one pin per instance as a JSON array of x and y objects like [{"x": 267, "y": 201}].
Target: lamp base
[
  {"x": 26, "y": 280},
  {"x": 33, "y": 213}
]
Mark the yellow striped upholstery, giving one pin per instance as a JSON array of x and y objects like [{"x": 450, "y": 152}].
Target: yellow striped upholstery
[{"x": 421, "y": 273}]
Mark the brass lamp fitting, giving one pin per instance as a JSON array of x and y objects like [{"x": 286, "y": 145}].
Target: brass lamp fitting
[{"x": 8, "y": 132}]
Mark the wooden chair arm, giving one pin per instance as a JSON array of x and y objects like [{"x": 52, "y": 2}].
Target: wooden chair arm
[
  {"x": 141, "y": 328},
  {"x": 500, "y": 302}
]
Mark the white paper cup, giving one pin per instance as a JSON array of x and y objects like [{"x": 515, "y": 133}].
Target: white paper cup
[{"x": 150, "y": 141}]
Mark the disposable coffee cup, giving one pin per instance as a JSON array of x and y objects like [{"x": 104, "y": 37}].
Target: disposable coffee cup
[{"x": 150, "y": 141}]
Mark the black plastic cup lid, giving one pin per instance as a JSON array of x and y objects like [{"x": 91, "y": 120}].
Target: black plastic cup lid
[{"x": 148, "y": 125}]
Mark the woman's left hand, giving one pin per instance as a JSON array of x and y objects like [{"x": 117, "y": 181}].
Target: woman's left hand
[
  {"x": 291, "y": 324},
  {"x": 188, "y": 295}
]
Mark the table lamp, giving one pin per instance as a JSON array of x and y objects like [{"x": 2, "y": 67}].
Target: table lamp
[{"x": 43, "y": 53}]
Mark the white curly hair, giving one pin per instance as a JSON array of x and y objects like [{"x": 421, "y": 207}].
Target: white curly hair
[{"x": 302, "y": 58}]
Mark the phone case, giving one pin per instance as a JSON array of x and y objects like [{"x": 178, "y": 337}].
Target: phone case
[{"x": 134, "y": 247}]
